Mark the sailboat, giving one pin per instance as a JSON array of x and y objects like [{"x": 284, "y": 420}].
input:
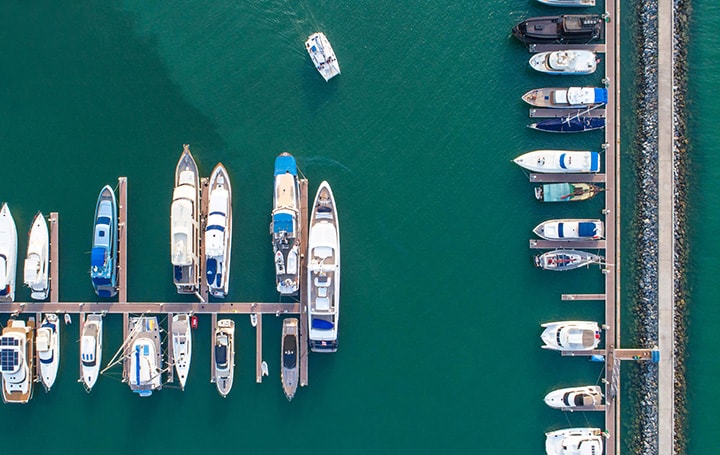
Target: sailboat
[
  {"x": 8, "y": 255},
  {"x": 181, "y": 335},
  {"x": 37, "y": 260},
  {"x": 218, "y": 233},
  {"x": 47, "y": 342},
  {"x": 185, "y": 225},
  {"x": 144, "y": 374}
]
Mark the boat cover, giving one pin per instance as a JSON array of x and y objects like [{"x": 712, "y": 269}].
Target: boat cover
[
  {"x": 587, "y": 229},
  {"x": 557, "y": 192},
  {"x": 221, "y": 354},
  {"x": 97, "y": 258},
  {"x": 594, "y": 161},
  {"x": 322, "y": 324},
  {"x": 285, "y": 163},
  {"x": 282, "y": 222}
]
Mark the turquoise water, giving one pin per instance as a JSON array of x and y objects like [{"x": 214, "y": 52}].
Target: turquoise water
[{"x": 439, "y": 347}]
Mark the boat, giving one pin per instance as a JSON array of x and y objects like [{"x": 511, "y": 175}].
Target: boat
[
  {"x": 17, "y": 355},
  {"x": 559, "y": 161},
  {"x": 289, "y": 358},
  {"x": 568, "y": 3},
  {"x": 144, "y": 355},
  {"x": 561, "y": 260},
  {"x": 68, "y": 319},
  {"x": 571, "y": 124},
  {"x": 181, "y": 334},
  {"x": 47, "y": 345},
  {"x": 574, "y": 441},
  {"x": 91, "y": 349},
  {"x": 566, "y": 97},
  {"x": 322, "y": 55},
  {"x": 570, "y": 229},
  {"x": 8, "y": 255},
  {"x": 224, "y": 355},
  {"x": 575, "y": 397},
  {"x": 37, "y": 260},
  {"x": 185, "y": 225},
  {"x": 285, "y": 225},
  {"x": 218, "y": 233},
  {"x": 323, "y": 285},
  {"x": 566, "y": 192},
  {"x": 103, "y": 261},
  {"x": 253, "y": 319},
  {"x": 563, "y": 29},
  {"x": 571, "y": 335},
  {"x": 565, "y": 62}
]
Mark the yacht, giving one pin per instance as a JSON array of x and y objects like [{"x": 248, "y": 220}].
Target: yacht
[
  {"x": 570, "y": 229},
  {"x": 224, "y": 355},
  {"x": 91, "y": 349},
  {"x": 103, "y": 261},
  {"x": 322, "y": 55},
  {"x": 17, "y": 353},
  {"x": 559, "y": 161},
  {"x": 566, "y": 97},
  {"x": 145, "y": 356},
  {"x": 218, "y": 233},
  {"x": 181, "y": 334},
  {"x": 574, "y": 441},
  {"x": 8, "y": 255},
  {"x": 285, "y": 226},
  {"x": 571, "y": 335},
  {"x": 575, "y": 397},
  {"x": 563, "y": 29},
  {"x": 323, "y": 285},
  {"x": 38, "y": 259},
  {"x": 185, "y": 225},
  {"x": 289, "y": 357},
  {"x": 571, "y": 62},
  {"x": 47, "y": 345}
]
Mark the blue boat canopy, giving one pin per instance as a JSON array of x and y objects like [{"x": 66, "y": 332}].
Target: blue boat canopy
[
  {"x": 97, "y": 258},
  {"x": 594, "y": 161},
  {"x": 601, "y": 95},
  {"x": 586, "y": 229},
  {"x": 322, "y": 324},
  {"x": 285, "y": 163},
  {"x": 282, "y": 222}
]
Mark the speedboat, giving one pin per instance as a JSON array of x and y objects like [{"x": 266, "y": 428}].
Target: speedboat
[
  {"x": 17, "y": 354},
  {"x": 285, "y": 226},
  {"x": 575, "y": 397},
  {"x": 322, "y": 55},
  {"x": 559, "y": 161},
  {"x": 103, "y": 262},
  {"x": 145, "y": 356},
  {"x": 323, "y": 285},
  {"x": 566, "y": 62},
  {"x": 218, "y": 233},
  {"x": 564, "y": 29},
  {"x": 289, "y": 357},
  {"x": 181, "y": 334},
  {"x": 185, "y": 225},
  {"x": 224, "y": 355},
  {"x": 566, "y": 97},
  {"x": 91, "y": 350},
  {"x": 570, "y": 229},
  {"x": 570, "y": 124},
  {"x": 574, "y": 441},
  {"x": 47, "y": 344},
  {"x": 571, "y": 335},
  {"x": 8, "y": 255},
  {"x": 561, "y": 260},
  {"x": 566, "y": 192},
  {"x": 568, "y": 3},
  {"x": 37, "y": 259}
]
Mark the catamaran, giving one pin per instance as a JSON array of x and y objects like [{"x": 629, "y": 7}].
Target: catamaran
[
  {"x": 8, "y": 255},
  {"x": 285, "y": 225},
  {"x": 37, "y": 260},
  {"x": 181, "y": 334},
  {"x": 17, "y": 355},
  {"x": 218, "y": 233},
  {"x": 103, "y": 262},
  {"x": 185, "y": 225},
  {"x": 47, "y": 343},
  {"x": 322, "y": 55}
]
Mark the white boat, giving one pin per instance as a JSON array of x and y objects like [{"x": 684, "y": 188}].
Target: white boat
[
  {"x": 570, "y": 229},
  {"x": 17, "y": 354},
  {"x": 566, "y": 97},
  {"x": 285, "y": 225},
  {"x": 567, "y": 62},
  {"x": 144, "y": 356},
  {"x": 559, "y": 161},
  {"x": 575, "y": 397},
  {"x": 574, "y": 441},
  {"x": 8, "y": 255},
  {"x": 218, "y": 233},
  {"x": 37, "y": 260},
  {"x": 568, "y": 3},
  {"x": 181, "y": 334},
  {"x": 185, "y": 225},
  {"x": 571, "y": 335},
  {"x": 289, "y": 357},
  {"x": 224, "y": 365},
  {"x": 91, "y": 350},
  {"x": 323, "y": 285},
  {"x": 47, "y": 345},
  {"x": 561, "y": 260},
  {"x": 322, "y": 55}
]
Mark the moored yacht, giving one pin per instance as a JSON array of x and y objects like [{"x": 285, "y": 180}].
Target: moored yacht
[
  {"x": 574, "y": 441},
  {"x": 563, "y": 29},
  {"x": 38, "y": 259},
  {"x": 323, "y": 285},
  {"x": 103, "y": 261},
  {"x": 185, "y": 224},
  {"x": 47, "y": 344},
  {"x": 17, "y": 354},
  {"x": 285, "y": 225},
  {"x": 575, "y": 397},
  {"x": 571, "y": 335},
  {"x": 8, "y": 255},
  {"x": 91, "y": 350},
  {"x": 218, "y": 233},
  {"x": 570, "y": 229},
  {"x": 559, "y": 161},
  {"x": 224, "y": 365},
  {"x": 565, "y": 62},
  {"x": 145, "y": 356},
  {"x": 181, "y": 334},
  {"x": 289, "y": 358},
  {"x": 322, "y": 55},
  {"x": 566, "y": 97}
]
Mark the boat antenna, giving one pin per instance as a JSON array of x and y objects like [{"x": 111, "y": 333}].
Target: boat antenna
[{"x": 119, "y": 357}]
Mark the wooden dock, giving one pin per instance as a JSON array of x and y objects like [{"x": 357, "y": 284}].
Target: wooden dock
[
  {"x": 599, "y": 297},
  {"x": 537, "y": 112},
  {"x": 567, "y": 178},
  {"x": 304, "y": 198}
]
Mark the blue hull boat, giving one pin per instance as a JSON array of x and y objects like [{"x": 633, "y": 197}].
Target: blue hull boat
[
  {"x": 569, "y": 124},
  {"x": 103, "y": 262}
]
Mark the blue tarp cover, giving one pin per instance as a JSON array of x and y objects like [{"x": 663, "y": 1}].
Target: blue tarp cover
[
  {"x": 594, "y": 161},
  {"x": 285, "y": 163},
  {"x": 322, "y": 324},
  {"x": 97, "y": 258},
  {"x": 282, "y": 222},
  {"x": 586, "y": 229},
  {"x": 601, "y": 95}
]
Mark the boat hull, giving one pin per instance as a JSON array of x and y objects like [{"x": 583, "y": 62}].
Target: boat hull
[
  {"x": 570, "y": 229},
  {"x": 224, "y": 364},
  {"x": 574, "y": 397},
  {"x": 564, "y": 29},
  {"x": 8, "y": 255},
  {"x": 289, "y": 357},
  {"x": 571, "y": 335},
  {"x": 218, "y": 233},
  {"x": 559, "y": 161},
  {"x": 185, "y": 225},
  {"x": 181, "y": 333},
  {"x": 103, "y": 262},
  {"x": 48, "y": 349},
  {"x": 569, "y": 125},
  {"x": 37, "y": 260}
]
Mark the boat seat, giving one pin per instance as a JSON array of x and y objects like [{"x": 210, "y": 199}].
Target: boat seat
[
  {"x": 322, "y": 303},
  {"x": 323, "y": 281},
  {"x": 322, "y": 291}
]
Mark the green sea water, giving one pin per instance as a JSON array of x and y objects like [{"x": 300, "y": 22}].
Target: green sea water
[{"x": 439, "y": 345}]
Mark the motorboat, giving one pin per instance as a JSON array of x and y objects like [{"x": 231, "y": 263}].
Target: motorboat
[
  {"x": 17, "y": 355},
  {"x": 47, "y": 345},
  {"x": 571, "y": 335},
  {"x": 185, "y": 225},
  {"x": 285, "y": 225},
  {"x": 565, "y": 62},
  {"x": 566, "y": 192},
  {"x": 224, "y": 355},
  {"x": 570, "y": 229},
  {"x": 289, "y": 357},
  {"x": 144, "y": 355},
  {"x": 561, "y": 260},
  {"x": 322, "y": 55},
  {"x": 568, "y": 3},
  {"x": 218, "y": 233},
  {"x": 103, "y": 257},
  {"x": 570, "y": 124},
  {"x": 181, "y": 334},
  {"x": 323, "y": 279},
  {"x": 8, "y": 255},
  {"x": 559, "y": 161},
  {"x": 575, "y": 397},
  {"x": 566, "y": 97},
  {"x": 91, "y": 349},
  {"x": 563, "y": 29},
  {"x": 574, "y": 441},
  {"x": 38, "y": 259}
]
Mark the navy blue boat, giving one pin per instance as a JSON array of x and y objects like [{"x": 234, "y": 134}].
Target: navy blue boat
[
  {"x": 103, "y": 260},
  {"x": 569, "y": 124}
]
